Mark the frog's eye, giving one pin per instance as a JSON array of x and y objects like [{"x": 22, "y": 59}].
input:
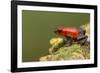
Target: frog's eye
[{"x": 82, "y": 31}]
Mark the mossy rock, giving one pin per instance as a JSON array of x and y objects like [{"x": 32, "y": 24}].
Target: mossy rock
[{"x": 74, "y": 52}]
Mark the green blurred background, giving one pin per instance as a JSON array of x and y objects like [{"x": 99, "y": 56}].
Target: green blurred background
[{"x": 38, "y": 27}]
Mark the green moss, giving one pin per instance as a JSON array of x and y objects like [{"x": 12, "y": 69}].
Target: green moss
[{"x": 73, "y": 52}]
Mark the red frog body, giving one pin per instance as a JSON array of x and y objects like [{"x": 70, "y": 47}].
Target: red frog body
[{"x": 71, "y": 33}]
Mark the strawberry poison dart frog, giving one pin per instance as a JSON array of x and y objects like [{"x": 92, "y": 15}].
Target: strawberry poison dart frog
[{"x": 72, "y": 34}]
